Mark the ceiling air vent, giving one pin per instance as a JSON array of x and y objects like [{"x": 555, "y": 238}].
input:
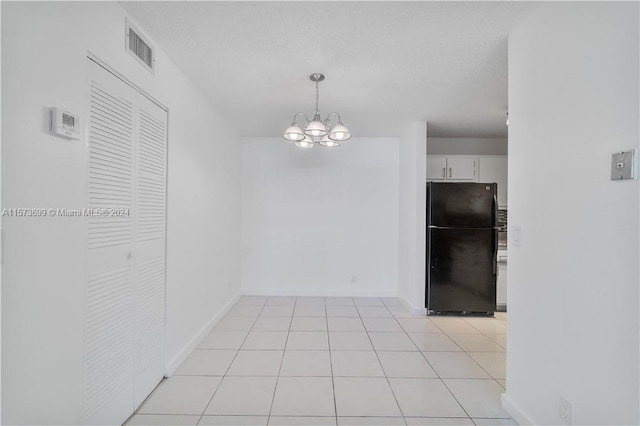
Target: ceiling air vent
[{"x": 139, "y": 47}]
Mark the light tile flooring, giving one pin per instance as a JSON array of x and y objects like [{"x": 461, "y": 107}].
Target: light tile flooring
[{"x": 337, "y": 361}]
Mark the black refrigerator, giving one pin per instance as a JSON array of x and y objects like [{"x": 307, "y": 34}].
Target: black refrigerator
[{"x": 462, "y": 246}]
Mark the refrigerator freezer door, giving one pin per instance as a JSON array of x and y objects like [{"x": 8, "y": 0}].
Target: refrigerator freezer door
[
  {"x": 461, "y": 270},
  {"x": 466, "y": 205}
]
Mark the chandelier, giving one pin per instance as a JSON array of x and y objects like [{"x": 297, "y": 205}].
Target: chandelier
[{"x": 317, "y": 131}]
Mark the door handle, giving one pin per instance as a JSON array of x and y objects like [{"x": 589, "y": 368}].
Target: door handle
[
  {"x": 449, "y": 171},
  {"x": 444, "y": 172}
]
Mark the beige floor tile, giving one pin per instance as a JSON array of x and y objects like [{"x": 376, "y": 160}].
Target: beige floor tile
[
  {"x": 277, "y": 311},
  {"x": 487, "y": 325},
  {"x": 374, "y": 312},
  {"x": 434, "y": 421},
  {"x": 434, "y": 342},
  {"x": 495, "y": 363},
  {"x": 455, "y": 365},
  {"x": 365, "y": 397},
  {"x": 382, "y": 324},
  {"x": 355, "y": 364},
  {"x": 309, "y": 311},
  {"x": 425, "y": 397},
  {"x": 453, "y": 325},
  {"x": 256, "y": 363},
  {"x": 475, "y": 342},
  {"x": 368, "y": 301},
  {"x": 338, "y": 301},
  {"x": 233, "y": 421},
  {"x": 418, "y": 325},
  {"x": 181, "y": 395},
  {"x": 308, "y": 340},
  {"x": 385, "y": 341},
  {"x": 302, "y": 421},
  {"x": 370, "y": 421},
  {"x": 405, "y": 364},
  {"x": 281, "y": 301},
  {"x": 350, "y": 341},
  {"x": 303, "y": 396},
  {"x": 480, "y": 398},
  {"x": 272, "y": 324},
  {"x": 266, "y": 340},
  {"x": 309, "y": 324},
  {"x": 243, "y": 396},
  {"x": 345, "y": 324},
  {"x": 252, "y": 300},
  {"x": 306, "y": 364},
  {"x": 342, "y": 311}
]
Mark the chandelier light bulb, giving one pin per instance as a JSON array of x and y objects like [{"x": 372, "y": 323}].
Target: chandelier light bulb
[
  {"x": 293, "y": 133},
  {"x": 339, "y": 133},
  {"x": 315, "y": 129},
  {"x": 305, "y": 143},
  {"x": 328, "y": 142}
]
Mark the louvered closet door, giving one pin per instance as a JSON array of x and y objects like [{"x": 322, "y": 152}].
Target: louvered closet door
[
  {"x": 124, "y": 325},
  {"x": 150, "y": 246},
  {"x": 109, "y": 340}
]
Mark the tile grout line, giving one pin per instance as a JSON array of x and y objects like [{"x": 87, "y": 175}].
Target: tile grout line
[
  {"x": 234, "y": 358},
  {"x": 286, "y": 341},
  {"x": 381, "y": 367},
  {"x": 333, "y": 384},
  {"x": 435, "y": 371},
  {"x": 459, "y": 378}
]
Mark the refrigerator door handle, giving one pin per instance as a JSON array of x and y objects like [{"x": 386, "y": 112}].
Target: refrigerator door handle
[{"x": 495, "y": 234}]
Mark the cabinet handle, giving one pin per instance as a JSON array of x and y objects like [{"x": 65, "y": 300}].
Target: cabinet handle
[
  {"x": 449, "y": 171},
  {"x": 444, "y": 172}
]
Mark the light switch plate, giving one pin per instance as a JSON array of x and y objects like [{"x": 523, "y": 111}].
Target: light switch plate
[
  {"x": 517, "y": 235},
  {"x": 623, "y": 165}
]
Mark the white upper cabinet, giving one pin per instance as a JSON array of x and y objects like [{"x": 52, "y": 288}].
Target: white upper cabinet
[
  {"x": 459, "y": 168},
  {"x": 436, "y": 167},
  {"x": 467, "y": 168},
  {"x": 494, "y": 169}
]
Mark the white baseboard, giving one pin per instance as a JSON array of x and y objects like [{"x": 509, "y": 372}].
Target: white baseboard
[
  {"x": 413, "y": 309},
  {"x": 177, "y": 360},
  {"x": 515, "y": 411},
  {"x": 319, "y": 293}
]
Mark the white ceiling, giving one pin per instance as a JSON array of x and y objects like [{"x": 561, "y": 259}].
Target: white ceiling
[{"x": 385, "y": 62}]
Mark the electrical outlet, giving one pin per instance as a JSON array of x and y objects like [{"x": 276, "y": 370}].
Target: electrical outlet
[
  {"x": 354, "y": 279},
  {"x": 566, "y": 411}
]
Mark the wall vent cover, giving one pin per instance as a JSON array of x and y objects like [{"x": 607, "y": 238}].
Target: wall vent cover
[{"x": 139, "y": 47}]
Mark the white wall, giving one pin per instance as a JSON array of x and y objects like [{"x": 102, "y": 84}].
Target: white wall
[
  {"x": 412, "y": 209},
  {"x": 44, "y": 64},
  {"x": 313, "y": 219},
  {"x": 467, "y": 146},
  {"x": 573, "y": 284}
]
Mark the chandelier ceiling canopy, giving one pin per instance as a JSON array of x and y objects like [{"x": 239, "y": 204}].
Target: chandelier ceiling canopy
[{"x": 325, "y": 132}]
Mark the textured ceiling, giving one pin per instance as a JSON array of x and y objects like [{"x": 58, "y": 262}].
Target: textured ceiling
[{"x": 385, "y": 62}]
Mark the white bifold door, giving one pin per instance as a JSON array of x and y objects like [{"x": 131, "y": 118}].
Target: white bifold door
[{"x": 125, "y": 262}]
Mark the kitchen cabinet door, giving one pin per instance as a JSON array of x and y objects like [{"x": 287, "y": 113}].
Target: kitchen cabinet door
[
  {"x": 494, "y": 169},
  {"x": 436, "y": 167},
  {"x": 461, "y": 168}
]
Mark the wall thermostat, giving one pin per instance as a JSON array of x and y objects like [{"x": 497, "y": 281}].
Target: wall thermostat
[
  {"x": 65, "y": 124},
  {"x": 623, "y": 165}
]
